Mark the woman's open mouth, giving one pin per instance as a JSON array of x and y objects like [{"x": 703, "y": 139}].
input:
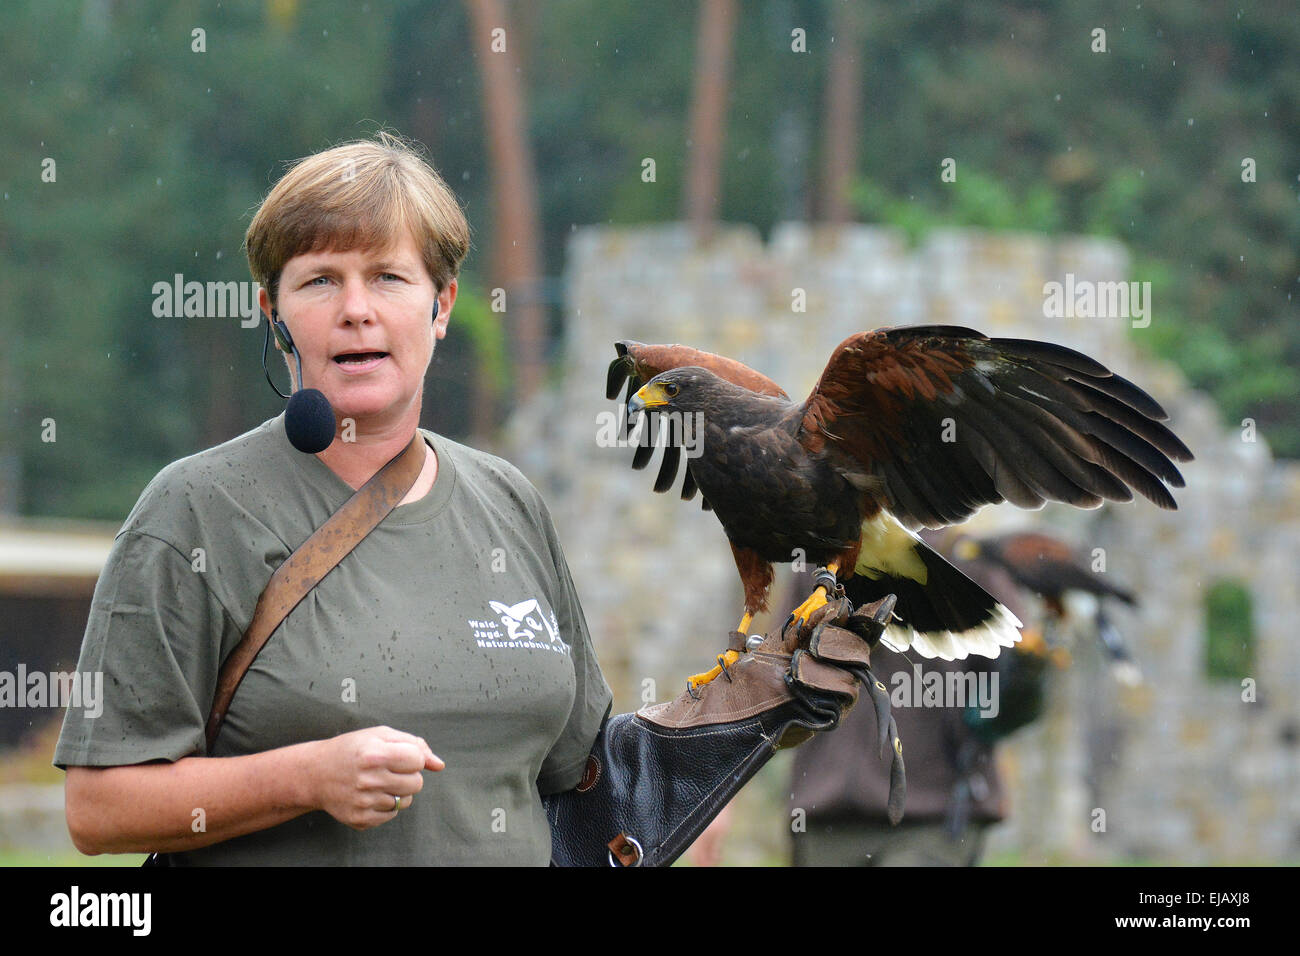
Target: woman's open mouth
[{"x": 356, "y": 362}]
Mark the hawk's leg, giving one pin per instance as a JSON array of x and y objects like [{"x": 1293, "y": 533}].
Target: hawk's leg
[
  {"x": 725, "y": 659},
  {"x": 826, "y": 583}
]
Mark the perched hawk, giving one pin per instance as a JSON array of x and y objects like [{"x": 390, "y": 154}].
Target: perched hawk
[{"x": 906, "y": 428}]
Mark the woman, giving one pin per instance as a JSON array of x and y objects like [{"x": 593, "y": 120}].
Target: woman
[{"x": 453, "y": 626}]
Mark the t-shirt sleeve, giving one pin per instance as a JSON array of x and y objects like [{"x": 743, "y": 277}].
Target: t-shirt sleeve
[
  {"x": 154, "y": 639},
  {"x": 563, "y": 766}
]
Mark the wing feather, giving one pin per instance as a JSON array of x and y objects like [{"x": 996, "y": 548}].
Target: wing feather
[{"x": 951, "y": 420}]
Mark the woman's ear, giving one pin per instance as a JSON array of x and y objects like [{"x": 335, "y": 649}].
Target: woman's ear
[
  {"x": 264, "y": 303},
  {"x": 446, "y": 299}
]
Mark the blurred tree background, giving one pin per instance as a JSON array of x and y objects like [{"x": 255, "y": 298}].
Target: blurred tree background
[{"x": 162, "y": 153}]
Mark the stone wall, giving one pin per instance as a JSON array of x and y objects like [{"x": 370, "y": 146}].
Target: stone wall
[{"x": 1183, "y": 768}]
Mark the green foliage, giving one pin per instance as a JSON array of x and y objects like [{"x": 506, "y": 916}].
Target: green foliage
[
  {"x": 1229, "y": 631},
  {"x": 163, "y": 153},
  {"x": 476, "y": 320},
  {"x": 972, "y": 199}
]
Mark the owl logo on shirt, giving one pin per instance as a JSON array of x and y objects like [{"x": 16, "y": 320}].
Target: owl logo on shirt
[{"x": 526, "y": 621}]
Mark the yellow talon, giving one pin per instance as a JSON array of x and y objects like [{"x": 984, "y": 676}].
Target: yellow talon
[
  {"x": 727, "y": 657},
  {"x": 815, "y": 602},
  {"x": 699, "y": 680}
]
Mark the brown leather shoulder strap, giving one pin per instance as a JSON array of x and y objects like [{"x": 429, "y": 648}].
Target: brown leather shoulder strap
[{"x": 308, "y": 565}]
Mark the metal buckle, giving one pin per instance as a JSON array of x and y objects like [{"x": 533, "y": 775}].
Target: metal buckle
[{"x": 640, "y": 853}]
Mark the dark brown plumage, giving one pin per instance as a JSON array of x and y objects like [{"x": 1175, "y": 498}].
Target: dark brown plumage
[
  {"x": 906, "y": 428},
  {"x": 1042, "y": 564}
]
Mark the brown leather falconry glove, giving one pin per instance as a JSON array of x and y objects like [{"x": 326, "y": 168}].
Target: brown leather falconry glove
[{"x": 655, "y": 779}]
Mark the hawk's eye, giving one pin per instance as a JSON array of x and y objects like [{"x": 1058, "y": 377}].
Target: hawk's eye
[{"x": 671, "y": 389}]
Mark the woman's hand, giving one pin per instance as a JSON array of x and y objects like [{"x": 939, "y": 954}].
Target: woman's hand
[
  {"x": 140, "y": 808},
  {"x": 358, "y": 775}
]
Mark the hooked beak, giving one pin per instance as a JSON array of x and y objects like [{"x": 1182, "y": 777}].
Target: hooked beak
[{"x": 648, "y": 396}]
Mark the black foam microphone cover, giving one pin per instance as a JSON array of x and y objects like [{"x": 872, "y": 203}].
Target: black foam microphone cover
[{"x": 309, "y": 421}]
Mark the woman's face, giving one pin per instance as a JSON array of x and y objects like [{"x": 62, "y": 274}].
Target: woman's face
[{"x": 361, "y": 320}]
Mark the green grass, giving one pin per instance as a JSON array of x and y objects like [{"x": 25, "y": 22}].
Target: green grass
[{"x": 10, "y": 857}]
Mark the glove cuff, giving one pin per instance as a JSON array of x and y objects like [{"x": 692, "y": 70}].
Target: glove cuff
[
  {"x": 656, "y": 778},
  {"x": 654, "y": 788}
]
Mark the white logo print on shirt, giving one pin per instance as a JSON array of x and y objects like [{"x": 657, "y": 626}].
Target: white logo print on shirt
[{"x": 526, "y": 625}]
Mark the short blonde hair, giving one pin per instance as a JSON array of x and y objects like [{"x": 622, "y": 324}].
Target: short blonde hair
[{"x": 363, "y": 194}]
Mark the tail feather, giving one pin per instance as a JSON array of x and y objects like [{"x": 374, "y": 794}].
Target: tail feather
[{"x": 947, "y": 615}]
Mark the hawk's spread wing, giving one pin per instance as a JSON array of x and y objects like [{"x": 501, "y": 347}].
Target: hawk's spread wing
[{"x": 951, "y": 420}]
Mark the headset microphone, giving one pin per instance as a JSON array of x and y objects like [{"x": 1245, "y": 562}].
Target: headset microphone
[{"x": 308, "y": 418}]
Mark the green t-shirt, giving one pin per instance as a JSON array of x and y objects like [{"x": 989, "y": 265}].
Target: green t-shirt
[{"x": 455, "y": 619}]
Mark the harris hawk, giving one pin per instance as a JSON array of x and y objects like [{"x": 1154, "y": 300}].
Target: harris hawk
[
  {"x": 906, "y": 428},
  {"x": 1040, "y": 563},
  {"x": 1050, "y": 568}
]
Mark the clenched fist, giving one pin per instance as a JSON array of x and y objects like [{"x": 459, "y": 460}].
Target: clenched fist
[{"x": 365, "y": 777}]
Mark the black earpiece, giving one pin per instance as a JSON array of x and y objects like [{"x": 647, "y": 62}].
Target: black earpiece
[
  {"x": 285, "y": 343},
  {"x": 282, "y": 336}
]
